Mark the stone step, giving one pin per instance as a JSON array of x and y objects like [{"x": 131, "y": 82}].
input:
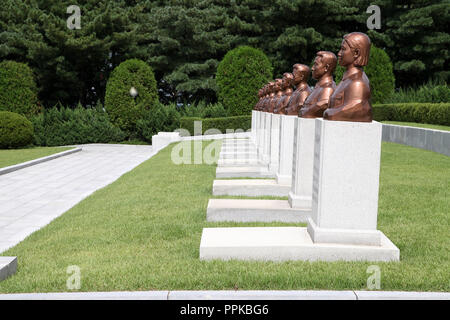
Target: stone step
[
  {"x": 244, "y": 172},
  {"x": 240, "y": 155},
  {"x": 250, "y": 188},
  {"x": 249, "y": 210},
  {"x": 241, "y": 163},
  {"x": 284, "y": 244}
]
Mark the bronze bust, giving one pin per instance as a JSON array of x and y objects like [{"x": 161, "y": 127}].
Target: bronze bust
[
  {"x": 351, "y": 99},
  {"x": 286, "y": 87},
  {"x": 277, "y": 92},
  {"x": 266, "y": 102},
  {"x": 322, "y": 70},
  {"x": 260, "y": 98},
  {"x": 302, "y": 90}
]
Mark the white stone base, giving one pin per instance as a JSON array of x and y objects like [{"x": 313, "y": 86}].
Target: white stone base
[
  {"x": 8, "y": 266},
  {"x": 239, "y": 149},
  {"x": 243, "y": 172},
  {"x": 284, "y": 244},
  {"x": 250, "y": 188},
  {"x": 245, "y": 210},
  {"x": 163, "y": 139},
  {"x": 236, "y": 155},
  {"x": 297, "y": 201},
  {"x": 283, "y": 179},
  {"x": 344, "y": 236},
  {"x": 241, "y": 163}
]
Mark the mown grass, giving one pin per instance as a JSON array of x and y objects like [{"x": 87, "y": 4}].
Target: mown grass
[
  {"x": 143, "y": 233},
  {"x": 9, "y": 157},
  {"x": 419, "y": 125}
]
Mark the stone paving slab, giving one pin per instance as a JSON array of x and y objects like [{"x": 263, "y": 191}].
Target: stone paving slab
[{"x": 32, "y": 197}]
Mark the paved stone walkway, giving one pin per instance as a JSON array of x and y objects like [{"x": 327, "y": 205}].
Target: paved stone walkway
[{"x": 31, "y": 198}]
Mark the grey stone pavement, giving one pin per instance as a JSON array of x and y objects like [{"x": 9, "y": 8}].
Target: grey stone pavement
[{"x": 32, "y": 197}]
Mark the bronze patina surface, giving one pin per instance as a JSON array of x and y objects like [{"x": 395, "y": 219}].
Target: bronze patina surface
[
  {"x": 277, "y": 93},
  {"x": 351, "y": 99},
  {"x": 302, "y": 90},
  {"x": 322, "y": 70},
  {"x": 286, "y": 87}
]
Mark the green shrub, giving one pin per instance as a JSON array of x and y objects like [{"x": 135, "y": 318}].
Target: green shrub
[
  {"x": 123, "y": 109},
  {"x": 221, "y": 124},
  {"x": 15, "y": 130},
  {"x": 240, "y": 74},
  {"x": 18, "y": 91},
  {"x": 160, "y": 118},
  {"x": 433, "y": 92},
  {"x": 203, "y": 110},
  {"x": 65, "y": 126},
  {"x": 380, "y": 73},
  {"x": 431, "y": 113}
]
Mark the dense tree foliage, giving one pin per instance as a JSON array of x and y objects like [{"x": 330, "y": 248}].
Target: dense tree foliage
[{"x": 184, "y": 40}]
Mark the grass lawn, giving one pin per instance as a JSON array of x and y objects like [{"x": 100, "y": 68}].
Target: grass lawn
[
  {"x": 9, "y": 157},
  {"x": 419, "y": 125},
  {"x": 143, "y": 232}
]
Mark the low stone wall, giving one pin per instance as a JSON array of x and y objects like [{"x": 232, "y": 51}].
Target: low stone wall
[{"x": 428, "y": 139}]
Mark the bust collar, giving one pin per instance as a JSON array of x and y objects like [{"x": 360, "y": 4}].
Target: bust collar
[
  {"x": 324, "y": 81},
  {"x": 351, "y": 72}
]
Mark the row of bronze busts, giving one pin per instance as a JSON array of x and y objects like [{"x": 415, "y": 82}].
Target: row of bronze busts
[{"x": 349, "y": 101}]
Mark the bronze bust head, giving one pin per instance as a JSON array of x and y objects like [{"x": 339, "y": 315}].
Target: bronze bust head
[
  {"x": 286, "y": 92},
  {"x": 277, "y": 92},
  {"x": 269, "y": 91},
  {"x": 322, "y": 70},
  {"x": 302, "y": 90},
  {"x": 260, "y": 98},
  {"x": 351, "y": 99}
]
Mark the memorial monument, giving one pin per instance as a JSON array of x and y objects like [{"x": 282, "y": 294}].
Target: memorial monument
[
  {"x": 302, "y": 90},
  {"x": 350, "y": 101},
  {"x": 278, "y": 92},
  {"x": 286, "y": 88},
  {"x": 322, "y": 71}
]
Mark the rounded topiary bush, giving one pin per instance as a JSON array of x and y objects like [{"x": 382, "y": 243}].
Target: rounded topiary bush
[
  {"x": 240, "y": 74},
  {"x": 380, "y": 73},
  {"x": 18, "y": 91},
  {"x": 123, "y": 109},
  {"x": 15, "y": 130}
]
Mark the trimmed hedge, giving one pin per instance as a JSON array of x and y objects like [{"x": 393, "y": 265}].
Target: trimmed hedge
[
  {"x": 431, "y": 113},
  {"x": 15, "y": 130},
  {"x": 222, "y": 124},
  {"x": 160, "y": 118},
  {"x": 65, "y": 126},
  {"x": 123, "y": 109},
  {"x": 18, "y": 91},
  {"x": 240, "y": 74}
]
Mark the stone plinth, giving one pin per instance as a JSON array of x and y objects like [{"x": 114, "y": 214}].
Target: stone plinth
[
  {"x": 300, "y": 195},
  {"x": 283, "y": 244},
  {"x": 249, "y": 210},
  {"x": 287, "y": 127},
  {"x": 243, "y": 172},
  {"x": 250, "y": 188},
  {"x": 275, "y": 143},
  {"x": 267, "y": 137},
  {"x": 345, "y": 182}
]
